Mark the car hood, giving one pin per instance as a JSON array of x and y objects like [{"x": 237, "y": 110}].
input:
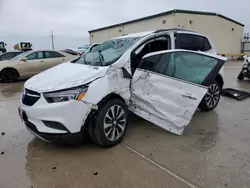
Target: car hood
[
  {"x": 7, "y": 62},
  {"x": 64, "y": 76}
]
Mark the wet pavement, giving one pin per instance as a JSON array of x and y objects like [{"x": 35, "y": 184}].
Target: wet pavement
[{"x": 213, "y": 152}]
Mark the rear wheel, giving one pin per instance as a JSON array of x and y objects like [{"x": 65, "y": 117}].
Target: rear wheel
[
  {"x": 9, "y": 75},
  {"x": 212, "y": 97},
  {"x": 110, "y": 123}
]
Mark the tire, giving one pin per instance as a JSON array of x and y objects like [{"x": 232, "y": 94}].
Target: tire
[
  {"x": 212, "y": 97},
  {"x": 115, "y": 130},
  {"x": 240, "y": 76},
  {"x": 9, "y": 75}
]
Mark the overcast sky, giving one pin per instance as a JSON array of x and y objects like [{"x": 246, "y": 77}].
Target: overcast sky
[{"x": 32, "y": 20}]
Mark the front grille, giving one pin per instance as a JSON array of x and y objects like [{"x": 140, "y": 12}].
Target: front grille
[{"x": 29, "y": 97}]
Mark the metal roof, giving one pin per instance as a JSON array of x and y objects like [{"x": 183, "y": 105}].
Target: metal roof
[{"x": 170, "y": 12}]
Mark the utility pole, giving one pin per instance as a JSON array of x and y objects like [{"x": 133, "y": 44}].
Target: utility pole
[{"x": 52, "y": 40}]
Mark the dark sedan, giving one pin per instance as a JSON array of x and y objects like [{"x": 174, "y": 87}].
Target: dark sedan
[{"x": 8, "y": 55}]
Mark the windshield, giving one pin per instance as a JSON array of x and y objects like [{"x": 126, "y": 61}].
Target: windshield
[
  {"x": 108, "y": 52},
  {"x": 20, "y": 56}
]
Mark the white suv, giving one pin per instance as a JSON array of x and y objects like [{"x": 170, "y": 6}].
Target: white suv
[{"x": 146, "y": 73}]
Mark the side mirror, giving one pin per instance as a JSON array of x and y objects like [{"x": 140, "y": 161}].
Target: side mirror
[{"x": 24, "y": 59}]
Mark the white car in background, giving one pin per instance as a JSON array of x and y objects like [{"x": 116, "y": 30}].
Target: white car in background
[
  {"x": 146, "y": 73},
  {"x": 30, "y": 63},
  {"x": 82, "y": 50}
]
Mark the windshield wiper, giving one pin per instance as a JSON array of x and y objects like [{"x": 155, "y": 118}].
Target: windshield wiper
[{"x": 101, "y": 57}]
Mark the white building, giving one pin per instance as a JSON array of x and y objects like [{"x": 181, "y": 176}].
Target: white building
[{"x": 225, "y": 33}]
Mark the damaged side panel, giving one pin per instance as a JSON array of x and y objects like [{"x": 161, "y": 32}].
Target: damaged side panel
[
  {"x": 111, "y": 83},
  {"x": 167, "y": 102}
]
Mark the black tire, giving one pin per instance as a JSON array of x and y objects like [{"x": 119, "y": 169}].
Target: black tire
[
  {"x": 240, "y": 76},
  {"x": 104, "y": 136},
  {"x": 9, "y": 75},
  {"x": 212, "y": 97}
]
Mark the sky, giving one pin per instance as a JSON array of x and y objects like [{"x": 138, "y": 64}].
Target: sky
[{"x": 70, "y": 20}]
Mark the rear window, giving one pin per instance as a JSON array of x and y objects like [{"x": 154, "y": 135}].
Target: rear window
[{"x": 192, "y": 42}]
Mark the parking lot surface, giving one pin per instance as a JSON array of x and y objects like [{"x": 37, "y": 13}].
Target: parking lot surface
[{"x": 213, "y": 152}]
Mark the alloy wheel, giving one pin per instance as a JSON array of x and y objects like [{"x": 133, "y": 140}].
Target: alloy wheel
[
  {"x": 114, "y": 122},
  {"x": 212, "y": 95}
]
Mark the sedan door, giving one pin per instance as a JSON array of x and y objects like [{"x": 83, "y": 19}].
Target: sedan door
[
  {"x": 31, "y": 65},
  {"x": 53, "y": 58},
  {"x": 168, "y": 86}
]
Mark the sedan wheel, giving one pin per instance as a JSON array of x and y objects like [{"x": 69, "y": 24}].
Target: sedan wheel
[{"x": 9, "y": 75}]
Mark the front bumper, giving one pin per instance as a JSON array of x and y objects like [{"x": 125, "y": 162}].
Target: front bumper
[
  {"x": 70, "y": 116},
  {"x": 67, "y": 138}
]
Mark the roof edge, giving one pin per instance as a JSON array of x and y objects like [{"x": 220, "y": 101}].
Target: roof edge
[{"x": 166, "y": 13}]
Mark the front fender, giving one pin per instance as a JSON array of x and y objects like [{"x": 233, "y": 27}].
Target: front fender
[{"x": 113, "y": 82}]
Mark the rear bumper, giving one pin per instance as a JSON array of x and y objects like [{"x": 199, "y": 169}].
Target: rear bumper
[{"x": 66, "y": 138}]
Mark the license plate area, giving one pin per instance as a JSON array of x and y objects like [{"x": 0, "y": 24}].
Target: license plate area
[{"x": 22, "y": 114}]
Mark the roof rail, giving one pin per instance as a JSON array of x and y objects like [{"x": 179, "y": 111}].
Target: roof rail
[{"x": 172, "y": 29}]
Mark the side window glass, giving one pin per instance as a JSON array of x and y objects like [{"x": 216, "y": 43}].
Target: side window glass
[
  {"x": 190, "y": 66},
  {"x": 150, "y": 62},
  {"x": 206, "y": 46},
  {"x": 53, "y": 55},
  {"x": 190, "y": 42},
  {"x": 35, "y": 55},
  {"x": 157, "y": 63}
]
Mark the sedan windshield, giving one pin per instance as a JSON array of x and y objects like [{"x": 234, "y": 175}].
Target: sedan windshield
[
  {"x": 20, "y": 56},
  {"x": 108, "y": 52}
]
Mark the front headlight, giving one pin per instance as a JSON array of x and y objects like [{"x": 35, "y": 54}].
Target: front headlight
[{"x": 66, "y": 95}]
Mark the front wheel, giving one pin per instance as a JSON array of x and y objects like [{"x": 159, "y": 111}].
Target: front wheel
[
  {"x": 212, "y": 97},
  {"x": 9, "y": 75},
  {"x": 110, "y": 123}
]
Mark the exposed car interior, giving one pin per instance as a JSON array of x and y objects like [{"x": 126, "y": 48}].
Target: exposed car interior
[{"x": 155, "y": 45}]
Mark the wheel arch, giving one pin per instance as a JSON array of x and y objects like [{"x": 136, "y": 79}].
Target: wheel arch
[
  {"x": 220, "y": 80},
  {"x": 109, "y": 97},
  {"x": 11, "y": 68},
  {"x": 93, "y": 112}
]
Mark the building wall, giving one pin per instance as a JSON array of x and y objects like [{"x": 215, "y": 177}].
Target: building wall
[
  {"x": 161, "y": 22},
  {"x": 140, "y": 26},
  {"x": 98, "y": 36},
  {"x": 218, "y": 29}
]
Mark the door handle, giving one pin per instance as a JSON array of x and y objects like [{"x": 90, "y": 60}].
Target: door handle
[{"x": 187, "y": 95}]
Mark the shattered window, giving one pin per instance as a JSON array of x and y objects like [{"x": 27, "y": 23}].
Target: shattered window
[
  {"x": 108, "y": 52},
  {"x": 190, "y": 66}
]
